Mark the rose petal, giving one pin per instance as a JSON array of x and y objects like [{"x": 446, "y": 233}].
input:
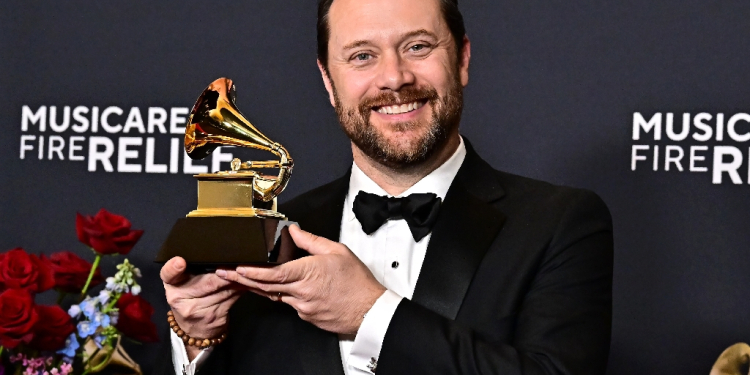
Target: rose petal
[
  {"x": 71, "y": 272},
  {"x": 82, "y": 223},
  {"x": 17, "y": 317},
  {"x": 104, "y": 245},
  {"x": 135, "y": 318},
  {"x": 111, "y": 223},
  {"x": 52, "y": 329},
  {"x": 109, "y": 233}
]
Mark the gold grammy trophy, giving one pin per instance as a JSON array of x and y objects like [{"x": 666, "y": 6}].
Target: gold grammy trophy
[{"x": 236, "y": 221}]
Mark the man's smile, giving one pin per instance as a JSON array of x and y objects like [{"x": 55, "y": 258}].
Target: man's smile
[{"x": 398, "y": 109}]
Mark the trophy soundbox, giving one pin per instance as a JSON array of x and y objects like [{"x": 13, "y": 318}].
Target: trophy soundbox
[{"x": 236, "y": 221}]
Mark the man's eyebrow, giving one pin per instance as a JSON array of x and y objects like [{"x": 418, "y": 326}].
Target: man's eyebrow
[
  {"x": 420, "y": 32},
  {"x": 411, "y": 34},
  {"x": 355, "y": 44}
]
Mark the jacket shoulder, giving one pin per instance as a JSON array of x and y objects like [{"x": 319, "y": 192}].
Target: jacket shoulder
[
  {"x": 520, "y": 194},
  {"x": 531, "y": 197}
]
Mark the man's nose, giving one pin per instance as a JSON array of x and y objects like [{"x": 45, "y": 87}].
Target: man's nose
[{"x": 394, "y": 73}]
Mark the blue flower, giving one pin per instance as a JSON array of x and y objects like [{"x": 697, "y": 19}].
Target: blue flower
[
  {"x": 104, "y": 297},
  {"x": 88, "y": 306},
  {"x": 101, "y": 319},
  {"x": 74, "y": 311},
  {"x": 86, "y": 328},
  {"x": 71, "y": 345}
]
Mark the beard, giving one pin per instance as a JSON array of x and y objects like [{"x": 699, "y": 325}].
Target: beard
[{"x": 402, "y": 152}]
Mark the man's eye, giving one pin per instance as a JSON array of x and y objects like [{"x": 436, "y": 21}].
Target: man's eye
[
  {"x": 417, "y": 47},
  {"x": 362, "y": 56}
]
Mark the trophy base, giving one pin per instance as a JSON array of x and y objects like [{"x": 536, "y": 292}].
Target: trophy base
[
  {"x": 208, "y": 243},
  {"x": 237, "y": 212}
]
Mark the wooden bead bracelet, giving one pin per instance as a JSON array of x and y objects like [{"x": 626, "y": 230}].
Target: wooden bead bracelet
[{"x": 192, "y": 341}]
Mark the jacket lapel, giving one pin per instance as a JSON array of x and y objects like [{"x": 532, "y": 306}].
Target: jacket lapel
[
  {"x": 318, "y": 349},
  {"x": 322, "y": 216},
  {"x": 466, "y": 227}
]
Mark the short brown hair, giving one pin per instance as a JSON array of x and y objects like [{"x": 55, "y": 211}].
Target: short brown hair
[{"x": 452, "y": 15}]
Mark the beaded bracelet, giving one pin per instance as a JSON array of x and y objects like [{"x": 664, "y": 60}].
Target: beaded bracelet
[{"x": 192, "y": 341}]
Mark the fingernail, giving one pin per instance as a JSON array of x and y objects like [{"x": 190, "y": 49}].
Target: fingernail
[
  {"x": 221, "y": 273},
  {"x": 241, "y": 271}
]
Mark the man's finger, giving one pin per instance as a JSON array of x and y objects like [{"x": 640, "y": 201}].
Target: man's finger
[
  {"x": 283, "y": 297},
  {"x": 313, "y": 244},
  {"x": 262, "y": 278},
  {"x": 259, "y": 286},
  {"x": 286, "y": 273},
  {"x": 287, "y": 298},
  {"x": 222, "y": 296},
  {"x": 173, "y": 272},
  {"x": 204, "y": 285}
]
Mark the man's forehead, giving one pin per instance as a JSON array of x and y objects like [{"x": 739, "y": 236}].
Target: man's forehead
[{"x": 357, "y": 20}]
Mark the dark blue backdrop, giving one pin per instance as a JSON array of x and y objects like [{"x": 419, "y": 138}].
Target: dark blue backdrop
[{"x": 553, "y": 89}]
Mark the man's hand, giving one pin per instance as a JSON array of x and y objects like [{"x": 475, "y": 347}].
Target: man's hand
[
  {"x": 331, "y": 289},
  {"x": 199, "y": 303}
]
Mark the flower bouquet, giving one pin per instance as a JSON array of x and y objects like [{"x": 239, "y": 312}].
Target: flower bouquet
[{"x": 83, "y": 332}]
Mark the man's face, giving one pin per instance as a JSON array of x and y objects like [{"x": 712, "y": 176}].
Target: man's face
[{"x": 395, "y": 77}]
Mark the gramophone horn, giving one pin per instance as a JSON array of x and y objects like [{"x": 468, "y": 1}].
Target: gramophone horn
[
  {"x": 115, "y": 359},
  {"x": 215, "y": 121}
]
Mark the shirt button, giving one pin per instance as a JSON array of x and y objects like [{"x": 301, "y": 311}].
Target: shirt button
[{"x": 394, "y": 265}]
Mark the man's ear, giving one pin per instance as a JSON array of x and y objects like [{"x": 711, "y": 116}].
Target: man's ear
[
  {"x": 327, "y": 83},
  {"x": 465, "y": 57}
]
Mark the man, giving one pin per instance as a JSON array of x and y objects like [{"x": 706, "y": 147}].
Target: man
[{"x": 474, "y": 271}]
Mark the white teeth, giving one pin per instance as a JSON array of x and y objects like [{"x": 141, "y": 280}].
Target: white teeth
[{"x": 399, "y": 109}]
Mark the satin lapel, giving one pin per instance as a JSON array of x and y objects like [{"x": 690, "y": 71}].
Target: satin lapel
[
  {"x": 465, "y": 229},
  {"x": 318, "y": 349},
  {"x": 323, "y": 215}
]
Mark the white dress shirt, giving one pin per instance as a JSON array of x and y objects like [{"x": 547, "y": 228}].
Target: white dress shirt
[{"x": 391, "y": 254}]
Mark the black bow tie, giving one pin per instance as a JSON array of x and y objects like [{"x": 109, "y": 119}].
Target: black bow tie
[{"x": 418, "y": 210}]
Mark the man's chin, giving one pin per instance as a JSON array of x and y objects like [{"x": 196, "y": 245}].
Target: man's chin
[
  {"x": 404, "y": 139},
  {"x": 398, "y": 150}
]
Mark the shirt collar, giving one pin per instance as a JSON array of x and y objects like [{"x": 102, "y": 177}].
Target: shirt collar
[{"x": 438, "y": 181}]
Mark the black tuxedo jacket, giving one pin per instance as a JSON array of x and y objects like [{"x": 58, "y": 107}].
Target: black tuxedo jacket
[{"x": 517, "y": 280}]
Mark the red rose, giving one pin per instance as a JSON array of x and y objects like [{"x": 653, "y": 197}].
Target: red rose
[
  {"x": 135, "y": 318},
  {"x": 19, "y": 270},
  {"x": 17, "y": 317},
  {"x": 71, "y": 272},
  {"x": 107, "y": 233},
  {"x": 53, "y": 327}
]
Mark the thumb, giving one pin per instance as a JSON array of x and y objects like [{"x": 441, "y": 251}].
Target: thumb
[
  {"x": 173, "y": 272},
  {"x": 315, "y": 245}
]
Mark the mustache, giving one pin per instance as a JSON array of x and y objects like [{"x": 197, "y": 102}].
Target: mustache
[{"x": 405, "y": 95}]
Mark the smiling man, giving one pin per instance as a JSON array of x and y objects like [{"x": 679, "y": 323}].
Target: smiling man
[
  {"x": 396, "y": 82},
  {"x": 423, "y": 259}
]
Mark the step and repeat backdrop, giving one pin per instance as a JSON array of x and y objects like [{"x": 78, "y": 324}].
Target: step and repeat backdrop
[{"x": 647, "y": 103}]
